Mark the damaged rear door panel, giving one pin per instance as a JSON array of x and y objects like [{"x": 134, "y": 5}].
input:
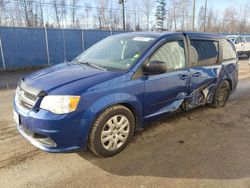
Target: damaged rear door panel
[
  {"x": 204, "y": 67},
  {"x": 211, "y": 60}
]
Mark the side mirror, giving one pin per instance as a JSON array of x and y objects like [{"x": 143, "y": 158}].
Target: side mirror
[{"x": 155, "y": 67}]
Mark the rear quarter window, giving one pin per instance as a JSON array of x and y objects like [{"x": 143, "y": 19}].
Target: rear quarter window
[
  {"x": 204, "y": 52},
  {"x": 228, "y": 51},
  {"x": 247, "y": 39}
]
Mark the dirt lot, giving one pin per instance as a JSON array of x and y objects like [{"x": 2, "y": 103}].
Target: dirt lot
[{"x": 200, "y": 148}]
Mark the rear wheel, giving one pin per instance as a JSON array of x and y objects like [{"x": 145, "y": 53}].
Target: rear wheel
[
  {"x": 221, "y": 95},
  {"x": 112, "y": 131}
]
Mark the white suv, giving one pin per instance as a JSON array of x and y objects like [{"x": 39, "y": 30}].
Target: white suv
[{"x": 242, "y": 43}]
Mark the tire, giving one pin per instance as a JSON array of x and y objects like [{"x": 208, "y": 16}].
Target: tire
[
  {"x": 111, "y": 131},
  {"x": 221, "y": 95}
]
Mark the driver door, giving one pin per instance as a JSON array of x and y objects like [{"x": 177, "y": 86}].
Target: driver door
[{"x": 165, "y": 92}]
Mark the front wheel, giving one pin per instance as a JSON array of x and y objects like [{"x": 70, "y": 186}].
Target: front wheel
[
  {"x": 112, "y": 131},
  {"x": 221, "y": 95}
]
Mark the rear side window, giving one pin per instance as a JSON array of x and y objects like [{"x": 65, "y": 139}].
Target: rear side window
[
  {"x": 228, "y": 51},
  {"x": 247, "y": 39},
  {"x": 172, "y": 53},
  {"x": 204, "y": 52}
]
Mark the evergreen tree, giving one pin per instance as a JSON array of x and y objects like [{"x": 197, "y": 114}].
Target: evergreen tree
[{"x": 160, "y": 14}]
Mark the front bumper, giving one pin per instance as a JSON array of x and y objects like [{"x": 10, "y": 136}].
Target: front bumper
[
  {"x": 51, "y": 132},
  {"x": 42, "y": 143}
]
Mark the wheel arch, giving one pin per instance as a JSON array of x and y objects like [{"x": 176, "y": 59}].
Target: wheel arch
[
  {"x": 130, "y": 106},
  {"x": 134, "y": 112},
  {"x": 230, "y": 83},
  {"x": 95, "y": 110}
]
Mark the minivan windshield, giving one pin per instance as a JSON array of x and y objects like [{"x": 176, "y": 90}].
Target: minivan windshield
[{"x": 116, "y": 53}]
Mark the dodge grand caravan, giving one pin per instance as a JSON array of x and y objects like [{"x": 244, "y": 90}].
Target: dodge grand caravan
[{"x": 117, "y": 86}]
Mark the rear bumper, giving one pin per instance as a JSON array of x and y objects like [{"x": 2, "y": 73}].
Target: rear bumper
[{"x": 51, "y": 132}]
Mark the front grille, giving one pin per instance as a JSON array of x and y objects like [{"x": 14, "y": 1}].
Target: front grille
[{"x": 25, "y": 99}]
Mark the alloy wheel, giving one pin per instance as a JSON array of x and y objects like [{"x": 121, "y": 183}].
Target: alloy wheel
[{"x": 115, "y": 132}]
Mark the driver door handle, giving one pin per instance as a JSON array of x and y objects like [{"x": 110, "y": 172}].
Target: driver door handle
[{"x": 196, "y": 74}]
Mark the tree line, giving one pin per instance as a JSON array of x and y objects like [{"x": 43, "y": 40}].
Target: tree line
[{"x": 169, "y": 15}]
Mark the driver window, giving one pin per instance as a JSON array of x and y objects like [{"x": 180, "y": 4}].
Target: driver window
[{"x": 172, "y": 53}]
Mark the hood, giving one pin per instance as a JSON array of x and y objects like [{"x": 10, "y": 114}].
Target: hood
[{"x": 67, "y": 78}]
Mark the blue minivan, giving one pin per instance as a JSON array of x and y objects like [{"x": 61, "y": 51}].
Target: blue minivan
[{"x": 99, "y": 99}]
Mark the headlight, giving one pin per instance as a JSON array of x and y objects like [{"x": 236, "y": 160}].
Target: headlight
[{"x": 60, "y": 104}]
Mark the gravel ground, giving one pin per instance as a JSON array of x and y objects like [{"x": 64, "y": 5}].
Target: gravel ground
[{"x": 200, "y": 148}]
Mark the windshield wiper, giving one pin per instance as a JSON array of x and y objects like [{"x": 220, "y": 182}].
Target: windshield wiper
[{"x": 91, "y": 65}]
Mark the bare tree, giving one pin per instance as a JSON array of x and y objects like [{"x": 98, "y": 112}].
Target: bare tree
[
  {"x": 63, "y": 12},
  {"x": 169, "y": 20},
  {"x": 88, "y": 8},
  {"x": 60, "y": 11},
  {"x": 147, "y": 9},
  {"x": 111, "y": 15},
  {"x": 2, "y": 11},
  {"x": 41, "y": 11},
  {"x": 201, "y": 18},
  {"x": 230, "y": 20},
  {"x": 244, "y": 19},
  {"x": 216, "y": 22},
  {"x": 26, "y": 10},
  {"x": 183, "y": 6},
  {"x": 57, "y": 12},
  {"x": 209, "y": 20},
  {"x": 73, "y": 11},
  {"x": 174, "y": 14},
  {"x": 29, "y": 10},
  {"x": 106, "y": 14},
  {"x": 116, "y": 19},
  {"x": 101, "y": 14}
]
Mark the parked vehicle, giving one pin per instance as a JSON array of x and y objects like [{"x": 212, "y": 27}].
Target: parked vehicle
[
  {"x": 120, "y": 85},
  {"x": 242, "y": 43}
]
